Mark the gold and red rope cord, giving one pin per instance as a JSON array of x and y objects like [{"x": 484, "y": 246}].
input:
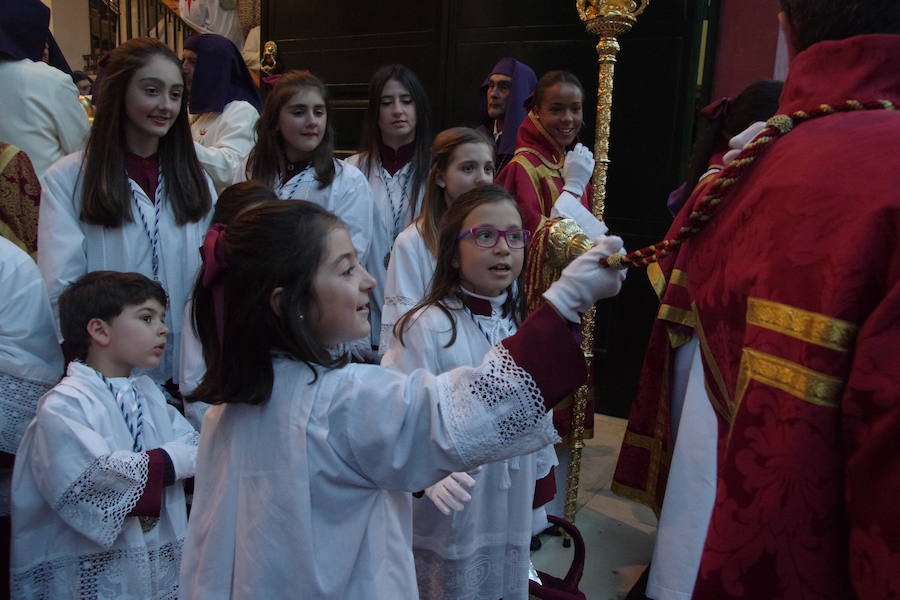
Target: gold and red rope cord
[{"x": 776, "y": 127}]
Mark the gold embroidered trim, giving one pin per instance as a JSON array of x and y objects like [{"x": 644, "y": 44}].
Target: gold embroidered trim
[
  {"x": 679, "y": 277},
  {"x": 796, "y": 380},
  {"x": 536, "y": 174},
  {"x": 657, "y": 279},
  {"x": 670, "y": 313},
  {"x": 7, "y": 155},
  {"x": 803, "y": 325},
  {"x": 723, "y": 407}
]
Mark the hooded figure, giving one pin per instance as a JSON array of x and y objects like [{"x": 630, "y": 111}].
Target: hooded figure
[
  {"x": 224, "y": 105},
  {"x": 509, "y": 100},
  {"x": 220, "y": 75},
  {"x": 42, "y": 115},
  {"x": 23, "y": 29}
]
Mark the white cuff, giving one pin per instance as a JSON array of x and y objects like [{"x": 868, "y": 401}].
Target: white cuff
[{"x": 570, "y": 207}]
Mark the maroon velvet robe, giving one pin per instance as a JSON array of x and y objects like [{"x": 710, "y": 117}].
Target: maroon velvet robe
[{"x": 793, "y": 290}]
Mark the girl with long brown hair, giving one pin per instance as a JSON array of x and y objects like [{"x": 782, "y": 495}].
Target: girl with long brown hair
[
  {"x": 294, "y": 156},
  {"x": 475, "y": 301},
  {"x": 462, "y": 159},
  {"x": 136, "y": 199},
  {"x": 395, "y": 151}
]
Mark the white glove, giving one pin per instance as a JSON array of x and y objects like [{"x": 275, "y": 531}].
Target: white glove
[
  {"x": 584, "y": 281},
  {"x": 577, "y": 170},
  {"x": 448, "y": 493},
  {"x": 740, "y": 141}
]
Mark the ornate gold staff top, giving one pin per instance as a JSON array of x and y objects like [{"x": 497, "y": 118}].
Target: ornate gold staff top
[{"x": 608, "y": 19}]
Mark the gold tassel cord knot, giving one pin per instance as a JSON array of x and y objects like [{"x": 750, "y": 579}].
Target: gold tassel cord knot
[{"x": 783, "y": 123}]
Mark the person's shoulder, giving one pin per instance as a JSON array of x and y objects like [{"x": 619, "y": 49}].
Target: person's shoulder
[
  {"x": 14, "y": 260},
  {"x": 240, "y": 107},
  {"x": 410, "y": 236},
  {"x": 355, "y": 159},
  {"x": 73, "y": 394},
  {"x": 66, "y": 167},
  {"x": 349, "y": 171},
  {"x": 435, "y": 319},
  {"x": 41, "y": 70}
]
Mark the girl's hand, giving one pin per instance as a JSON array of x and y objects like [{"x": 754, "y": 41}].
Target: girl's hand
[
  {"x": 577, "y": 170},
  {"x": 584, "y": 281},
  {"x": 448, "y": 494}
]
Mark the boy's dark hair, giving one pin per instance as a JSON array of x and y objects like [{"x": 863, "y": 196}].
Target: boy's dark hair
[
  {"x": 101, "y": 295},
  {"x": 819, "y": 20},
  {"x": 273, "y": 244}
]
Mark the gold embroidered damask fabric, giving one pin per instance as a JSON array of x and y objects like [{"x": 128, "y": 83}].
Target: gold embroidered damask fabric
[{"x": 20, "y": 195}]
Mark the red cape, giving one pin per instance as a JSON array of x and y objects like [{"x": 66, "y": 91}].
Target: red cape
[{"x": 793, "y": 290}]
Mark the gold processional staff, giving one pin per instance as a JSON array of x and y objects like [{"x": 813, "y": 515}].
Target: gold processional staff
[{"x": 607, "y": 19}]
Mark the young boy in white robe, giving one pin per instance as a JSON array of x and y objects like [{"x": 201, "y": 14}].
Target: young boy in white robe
[
  {"x": 474, "y": 302},
  {"x": 98, "y": 507},
  {"x": 306, "y": 463},
  {"x": 461, "y": 159}
]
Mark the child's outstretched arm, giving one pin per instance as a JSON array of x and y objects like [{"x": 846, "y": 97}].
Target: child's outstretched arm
[{"x": 405, "y": 432}]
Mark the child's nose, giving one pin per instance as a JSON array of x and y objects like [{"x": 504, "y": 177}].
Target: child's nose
[
  {"x": 170, "y": 104},
  {"x": 367, "y": 283}
]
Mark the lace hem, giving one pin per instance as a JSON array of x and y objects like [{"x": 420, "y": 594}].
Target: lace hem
[
  {"x": 489, "y": 573},
  {"x": 97, "y": 502},
  {"x": 495, "y": 411},
  {"x": 124, "y": 574},
  {"x": 18, "y": 403}
]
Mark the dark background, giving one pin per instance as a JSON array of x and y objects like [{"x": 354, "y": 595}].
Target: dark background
[{"x": 452, "y": 45}]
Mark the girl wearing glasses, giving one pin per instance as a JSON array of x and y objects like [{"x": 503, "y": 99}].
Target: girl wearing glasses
[{"x": 474, "y": 302}]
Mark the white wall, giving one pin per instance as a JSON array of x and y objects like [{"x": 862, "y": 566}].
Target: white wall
[{"x": 70, "y": 24}]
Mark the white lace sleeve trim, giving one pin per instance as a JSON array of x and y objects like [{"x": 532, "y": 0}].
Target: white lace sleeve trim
[
  {"x": 97, "y": 502},
  {"x": 494, "y": 411},
  {"x": 18, "y": 403},
  {"x": 136, "y": 573}
]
